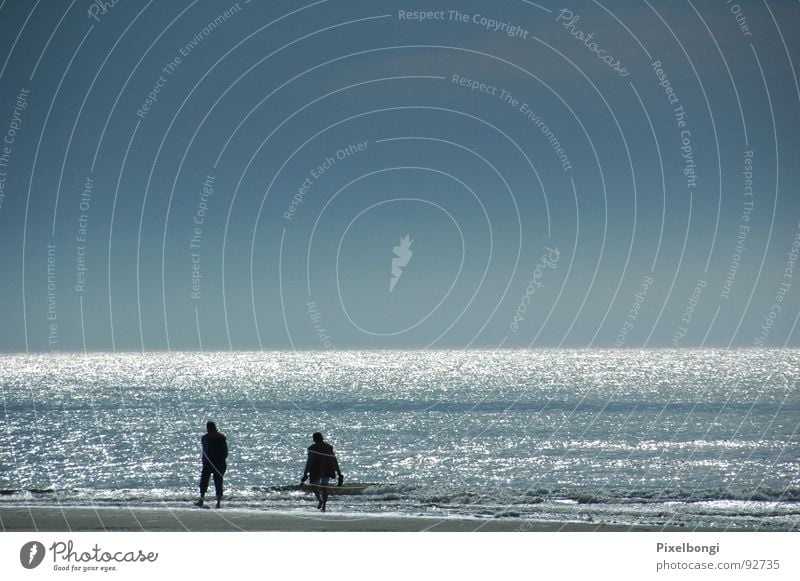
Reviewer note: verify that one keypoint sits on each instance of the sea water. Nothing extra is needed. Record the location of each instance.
(662, 437)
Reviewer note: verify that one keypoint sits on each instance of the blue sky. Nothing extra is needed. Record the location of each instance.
(550, 200)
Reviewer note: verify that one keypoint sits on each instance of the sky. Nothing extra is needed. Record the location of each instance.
(196, 175)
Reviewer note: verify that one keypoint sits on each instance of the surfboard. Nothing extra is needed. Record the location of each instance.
(346, 488)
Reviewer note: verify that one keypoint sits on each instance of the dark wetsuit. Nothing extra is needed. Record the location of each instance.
(321, 462)
(215, 453)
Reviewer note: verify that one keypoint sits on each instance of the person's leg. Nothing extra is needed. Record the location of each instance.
(316, 490)
(324, 483)
(205, 475)
(318, 495)
(218, 485)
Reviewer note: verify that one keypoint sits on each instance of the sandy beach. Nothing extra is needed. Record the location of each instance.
(79, 519)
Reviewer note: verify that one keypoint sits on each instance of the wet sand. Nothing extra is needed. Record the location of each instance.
(132, 519)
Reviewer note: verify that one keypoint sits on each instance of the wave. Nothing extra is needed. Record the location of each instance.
(761, 508)
(436, 494)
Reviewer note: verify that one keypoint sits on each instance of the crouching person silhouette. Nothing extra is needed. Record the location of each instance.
(215, 454)
(321, 466)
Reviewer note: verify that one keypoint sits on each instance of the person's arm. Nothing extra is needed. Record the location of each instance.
(338, 470)
(307, 469)
(224, 448)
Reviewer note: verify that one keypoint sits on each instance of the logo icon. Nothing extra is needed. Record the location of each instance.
(31, 554)
(402, 257)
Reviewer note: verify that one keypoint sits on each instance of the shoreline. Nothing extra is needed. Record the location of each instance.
(142, 519)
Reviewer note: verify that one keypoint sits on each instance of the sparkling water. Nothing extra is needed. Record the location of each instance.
(665, 437)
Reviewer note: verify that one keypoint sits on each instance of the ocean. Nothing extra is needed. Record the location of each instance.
(660, 437)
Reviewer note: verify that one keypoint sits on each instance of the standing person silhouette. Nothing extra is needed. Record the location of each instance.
(215, 454)
(321, 466)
